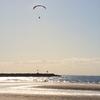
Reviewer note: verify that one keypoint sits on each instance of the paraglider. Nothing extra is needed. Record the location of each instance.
(38, 6)
(39, 17)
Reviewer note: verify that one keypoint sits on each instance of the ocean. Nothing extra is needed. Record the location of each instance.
(64, 87)
(63, 79)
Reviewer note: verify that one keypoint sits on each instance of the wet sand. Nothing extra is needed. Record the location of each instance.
(16, 91)
(72, 86)
(7, 96)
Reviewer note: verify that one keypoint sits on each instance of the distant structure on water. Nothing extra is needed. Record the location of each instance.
(28, 74)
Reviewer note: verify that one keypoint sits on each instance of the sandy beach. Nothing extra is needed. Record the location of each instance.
(8, 96)
(75, 86)
(49, 91)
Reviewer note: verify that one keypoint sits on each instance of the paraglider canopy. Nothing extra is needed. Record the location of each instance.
(39, 6)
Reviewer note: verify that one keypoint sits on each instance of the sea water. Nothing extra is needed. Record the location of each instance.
(63, 78)
(36, 85)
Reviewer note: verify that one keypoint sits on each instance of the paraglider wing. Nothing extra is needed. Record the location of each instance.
(39, 6)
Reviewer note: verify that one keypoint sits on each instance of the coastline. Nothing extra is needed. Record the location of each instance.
(74, 86)
(49, 91)
(12, 96)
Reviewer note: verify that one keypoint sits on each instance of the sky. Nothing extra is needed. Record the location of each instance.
(65, 40)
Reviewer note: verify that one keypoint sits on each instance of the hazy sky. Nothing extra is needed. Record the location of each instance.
(65, 40)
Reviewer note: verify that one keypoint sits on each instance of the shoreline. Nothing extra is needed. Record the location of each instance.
(55, 93)
(13, 96)
(74, 86)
